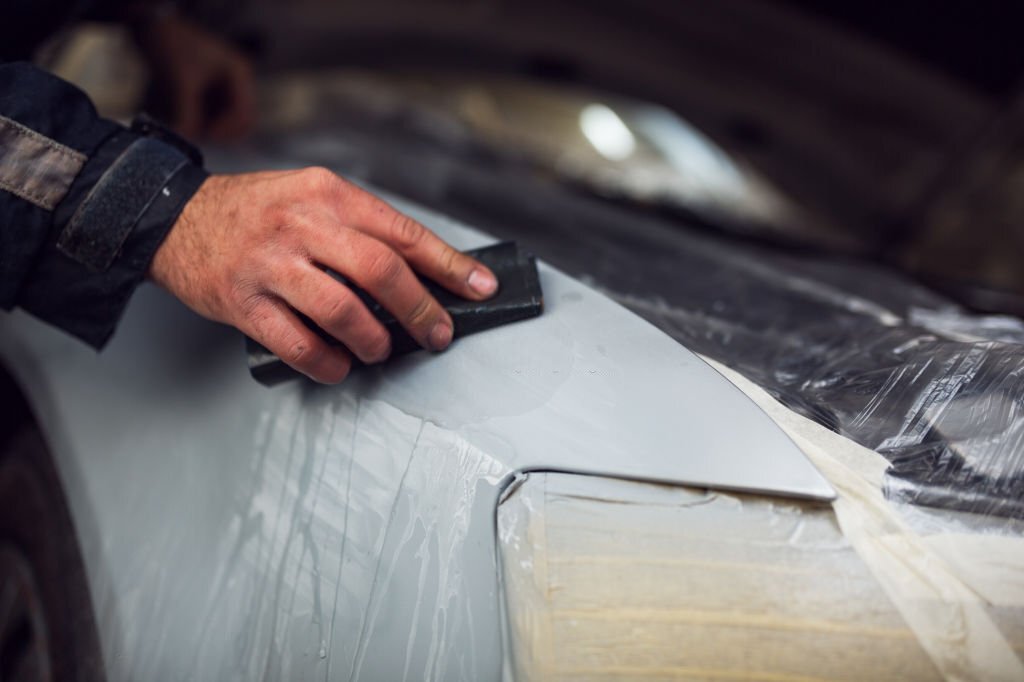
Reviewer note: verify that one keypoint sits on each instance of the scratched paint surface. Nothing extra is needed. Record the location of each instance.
(310, 572)
(332, 488)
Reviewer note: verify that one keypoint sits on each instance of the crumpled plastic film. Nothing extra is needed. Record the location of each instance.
(957, 579)
(938, 391)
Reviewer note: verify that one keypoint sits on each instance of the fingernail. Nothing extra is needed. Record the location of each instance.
(440, 336)
(482, 282)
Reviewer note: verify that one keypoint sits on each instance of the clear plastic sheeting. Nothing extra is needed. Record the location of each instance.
(956, 578)
(936, 390)
(946, 411)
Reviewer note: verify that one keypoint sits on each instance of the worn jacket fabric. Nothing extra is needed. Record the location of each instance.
(84, 202)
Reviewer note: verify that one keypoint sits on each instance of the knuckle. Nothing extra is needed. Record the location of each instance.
(406, 232)
(382, 267)
(245, 298)
(448, 261)
(321, 179)
(421, 312)
(301, 353)
(341, 311)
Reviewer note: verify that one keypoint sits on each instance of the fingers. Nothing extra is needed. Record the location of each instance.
(387, 278)
(336, 310)
(271, 323)
(424, 250)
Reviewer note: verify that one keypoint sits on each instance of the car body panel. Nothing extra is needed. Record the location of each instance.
(312, 532)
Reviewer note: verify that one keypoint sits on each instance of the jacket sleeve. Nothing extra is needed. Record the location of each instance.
(84, 203)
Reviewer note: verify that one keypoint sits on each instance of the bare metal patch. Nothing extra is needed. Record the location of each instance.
(34, 167)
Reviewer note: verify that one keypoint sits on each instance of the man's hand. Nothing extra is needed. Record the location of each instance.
(249, 250)
(209, 82)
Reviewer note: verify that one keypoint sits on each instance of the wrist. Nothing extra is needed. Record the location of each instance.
(168, 264)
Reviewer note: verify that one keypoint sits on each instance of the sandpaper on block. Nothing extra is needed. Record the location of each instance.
(519, 297)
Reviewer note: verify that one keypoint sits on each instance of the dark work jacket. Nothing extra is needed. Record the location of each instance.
(84, 201)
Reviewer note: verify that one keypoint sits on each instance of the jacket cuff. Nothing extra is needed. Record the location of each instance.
(106, 231)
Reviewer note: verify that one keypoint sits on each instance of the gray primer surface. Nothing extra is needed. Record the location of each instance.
(305, 532)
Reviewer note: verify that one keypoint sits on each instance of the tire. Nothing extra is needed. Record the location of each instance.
(47, 628)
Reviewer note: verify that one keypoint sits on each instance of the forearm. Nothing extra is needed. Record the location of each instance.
(84, 203)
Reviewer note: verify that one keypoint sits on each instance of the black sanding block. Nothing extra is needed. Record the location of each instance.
(519, 297)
